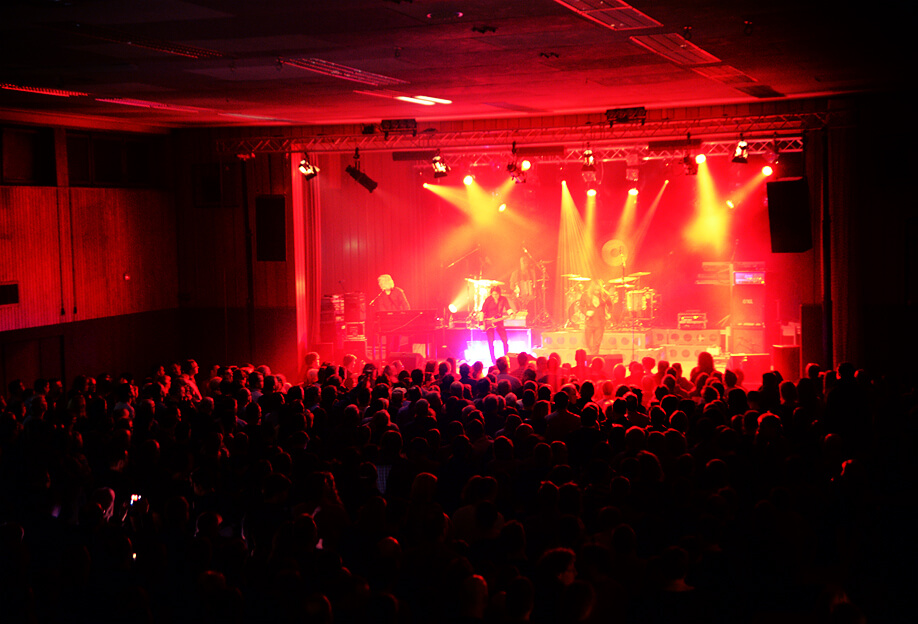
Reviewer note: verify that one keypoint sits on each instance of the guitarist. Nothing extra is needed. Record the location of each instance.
(495, 311)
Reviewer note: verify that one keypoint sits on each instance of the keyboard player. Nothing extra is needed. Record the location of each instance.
(391, 298)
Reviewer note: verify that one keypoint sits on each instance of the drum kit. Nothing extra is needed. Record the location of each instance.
(631, 305)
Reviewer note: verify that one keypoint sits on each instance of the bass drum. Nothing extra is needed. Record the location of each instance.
(575, 316)
(641, 303)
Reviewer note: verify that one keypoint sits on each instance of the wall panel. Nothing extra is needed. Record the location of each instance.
(124, 252)
(30, 255)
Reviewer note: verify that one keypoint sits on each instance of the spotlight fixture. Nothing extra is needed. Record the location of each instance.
(767, 170)
(591, 192)
(690, 165)
(588, 170)
(308, 169)
(517, 168)
(440, 168)
(362, 179)
(741, 151)
(633, 191)
(771, 152)
(467, 180)
(700, 158)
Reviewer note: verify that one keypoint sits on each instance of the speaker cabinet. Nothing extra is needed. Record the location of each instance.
(410, 360)
(748, 304)
(811, 336)
(789, 215)
(270, 228)
(786, 360)
(747, 340)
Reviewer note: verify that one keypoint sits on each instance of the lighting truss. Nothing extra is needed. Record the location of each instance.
(480, 141)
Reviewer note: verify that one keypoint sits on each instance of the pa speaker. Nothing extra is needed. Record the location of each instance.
(270, 228)
(789, 215)
(748, 304)
(410, 360)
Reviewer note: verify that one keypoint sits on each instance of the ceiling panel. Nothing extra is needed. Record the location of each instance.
(497, 58)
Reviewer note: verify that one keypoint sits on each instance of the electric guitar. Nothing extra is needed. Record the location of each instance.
(492, 321)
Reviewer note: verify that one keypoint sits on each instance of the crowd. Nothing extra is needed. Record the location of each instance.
(529, 491)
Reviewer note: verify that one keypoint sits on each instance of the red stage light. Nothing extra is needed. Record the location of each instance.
(467, 180)
(767, 170)
(591, 192)
(700, 158)
(633, 192)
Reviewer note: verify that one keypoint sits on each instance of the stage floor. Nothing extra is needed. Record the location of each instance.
(742, 348)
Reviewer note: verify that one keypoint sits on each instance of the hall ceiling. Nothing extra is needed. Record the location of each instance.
(174, 63)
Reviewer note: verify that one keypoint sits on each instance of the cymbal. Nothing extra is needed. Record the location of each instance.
(640, 274)
(483, 282)
(577, 278)
(621, 280)
(570, 275)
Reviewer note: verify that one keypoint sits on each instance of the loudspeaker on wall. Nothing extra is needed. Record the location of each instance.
(789, 215)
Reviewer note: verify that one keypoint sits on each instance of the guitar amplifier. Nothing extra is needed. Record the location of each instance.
(693, 319)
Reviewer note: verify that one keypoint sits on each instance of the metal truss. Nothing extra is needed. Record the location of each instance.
(633, 155)
(656, 139)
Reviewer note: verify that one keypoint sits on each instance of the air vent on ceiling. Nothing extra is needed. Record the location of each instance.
(612, 14)
(132, 39)
(725, 74)
(148, 104)
(675, 48)
(42, 90)
(327, 68)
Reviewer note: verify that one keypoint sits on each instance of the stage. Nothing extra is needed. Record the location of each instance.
(737, 348)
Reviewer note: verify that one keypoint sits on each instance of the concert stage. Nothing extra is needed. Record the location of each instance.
(736, 348)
